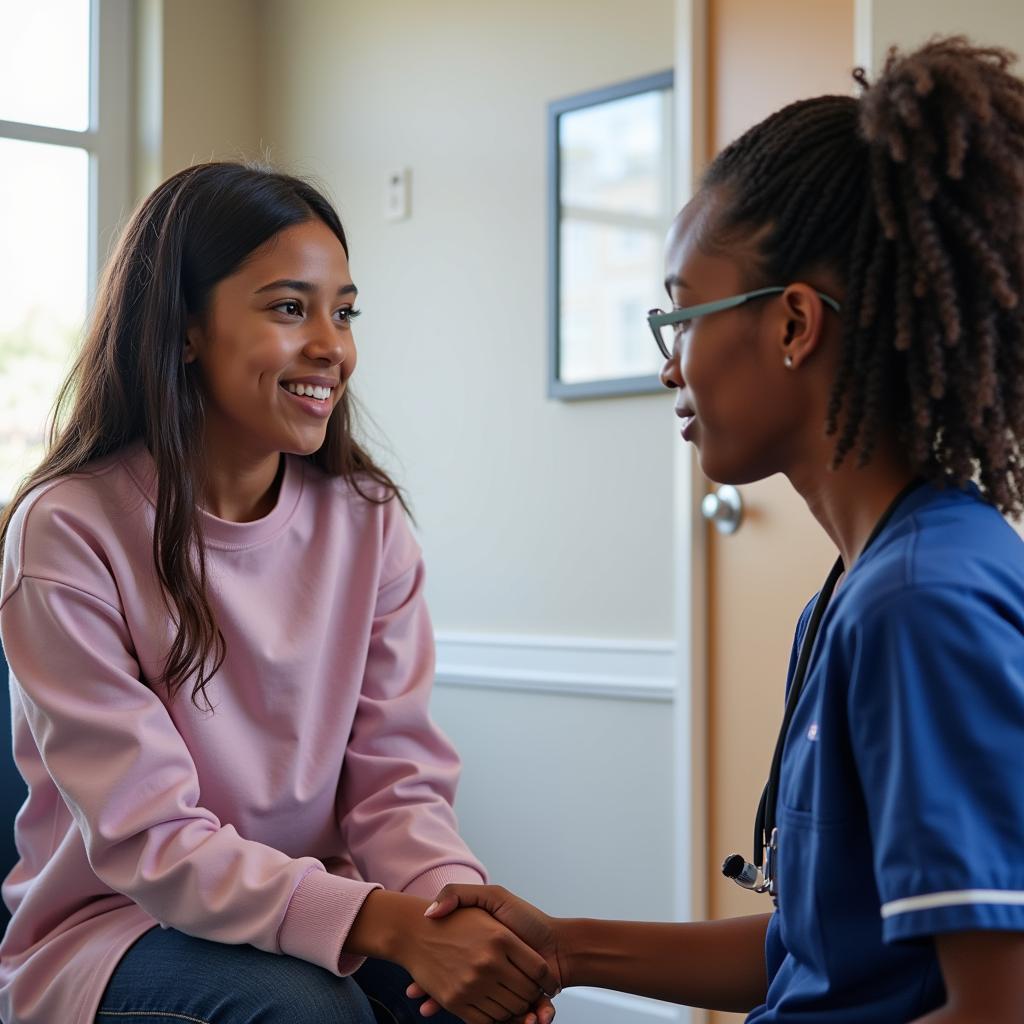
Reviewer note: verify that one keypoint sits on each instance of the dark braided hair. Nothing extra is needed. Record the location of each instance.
(914, 195)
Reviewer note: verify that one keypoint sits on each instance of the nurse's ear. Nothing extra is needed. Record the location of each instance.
(801, 325)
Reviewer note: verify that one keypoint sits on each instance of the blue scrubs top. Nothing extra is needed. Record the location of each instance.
(901, 798)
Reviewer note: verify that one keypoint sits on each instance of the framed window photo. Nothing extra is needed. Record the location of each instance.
(610, 204)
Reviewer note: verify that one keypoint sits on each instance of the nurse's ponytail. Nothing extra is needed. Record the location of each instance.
(914, 194)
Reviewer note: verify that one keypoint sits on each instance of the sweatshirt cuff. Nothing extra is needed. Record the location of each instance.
(431, 882)
(319, 917)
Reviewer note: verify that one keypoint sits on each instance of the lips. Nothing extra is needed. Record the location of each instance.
(688, 419)
(313, 394)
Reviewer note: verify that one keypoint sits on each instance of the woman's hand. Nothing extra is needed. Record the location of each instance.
(470, 963)
(535, 928)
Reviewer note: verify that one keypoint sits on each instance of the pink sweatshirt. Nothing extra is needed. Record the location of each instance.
(319, 768)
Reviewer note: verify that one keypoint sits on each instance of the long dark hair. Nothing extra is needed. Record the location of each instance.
(130, 382)
(914, 195)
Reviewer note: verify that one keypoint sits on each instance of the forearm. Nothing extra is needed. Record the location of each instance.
(983, 975)
(713, 964)
(383, 925)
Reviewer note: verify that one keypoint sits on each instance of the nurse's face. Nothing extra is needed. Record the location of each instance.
(734, 393)
(274, 347)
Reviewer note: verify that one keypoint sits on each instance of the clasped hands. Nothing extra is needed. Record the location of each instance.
(522, 994)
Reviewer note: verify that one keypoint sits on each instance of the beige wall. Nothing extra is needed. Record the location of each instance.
(536, 515)
(910, 22)
(198, 85)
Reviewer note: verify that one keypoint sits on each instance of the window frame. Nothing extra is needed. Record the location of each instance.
(107, 139)
(598, 387)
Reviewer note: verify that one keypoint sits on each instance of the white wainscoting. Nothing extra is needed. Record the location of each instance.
(612, 754)
(620, 669)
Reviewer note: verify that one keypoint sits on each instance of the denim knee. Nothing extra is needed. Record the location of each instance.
(297, 992)
(168, 973)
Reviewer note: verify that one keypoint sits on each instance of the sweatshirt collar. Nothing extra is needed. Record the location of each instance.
(221, 533)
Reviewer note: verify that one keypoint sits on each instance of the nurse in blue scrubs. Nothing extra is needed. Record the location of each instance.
(847, 294)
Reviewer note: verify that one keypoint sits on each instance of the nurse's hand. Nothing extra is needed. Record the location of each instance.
(534, 927)
(470, 963)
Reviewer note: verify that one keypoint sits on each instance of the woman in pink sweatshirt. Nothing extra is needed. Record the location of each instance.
(221, 658)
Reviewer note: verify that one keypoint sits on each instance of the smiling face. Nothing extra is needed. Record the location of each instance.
(274, 346)
(746, 409)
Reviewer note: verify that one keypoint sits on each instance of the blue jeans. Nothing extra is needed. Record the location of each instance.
(168, 977)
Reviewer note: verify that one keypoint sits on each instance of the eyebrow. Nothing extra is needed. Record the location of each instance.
(306, 287)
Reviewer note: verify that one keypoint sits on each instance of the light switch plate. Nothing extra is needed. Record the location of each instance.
(396, 195)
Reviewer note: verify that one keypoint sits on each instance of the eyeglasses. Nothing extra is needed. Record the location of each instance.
(667, 326)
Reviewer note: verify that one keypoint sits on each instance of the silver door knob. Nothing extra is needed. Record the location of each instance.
(724, 508)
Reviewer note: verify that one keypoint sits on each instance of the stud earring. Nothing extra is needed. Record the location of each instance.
(788, 361)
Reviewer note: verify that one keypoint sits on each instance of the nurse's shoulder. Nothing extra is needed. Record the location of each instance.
(951, 541)
(959, 539)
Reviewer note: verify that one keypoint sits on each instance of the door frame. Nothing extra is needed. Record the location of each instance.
(689, 540)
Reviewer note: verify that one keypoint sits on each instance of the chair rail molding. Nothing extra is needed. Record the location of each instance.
(574, 666)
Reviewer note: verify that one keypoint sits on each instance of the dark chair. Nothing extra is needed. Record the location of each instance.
(12, 788)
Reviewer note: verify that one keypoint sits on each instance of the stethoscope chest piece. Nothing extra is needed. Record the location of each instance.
(751, 876)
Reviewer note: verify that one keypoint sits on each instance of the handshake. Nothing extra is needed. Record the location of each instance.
(486, 955)
(478, 952)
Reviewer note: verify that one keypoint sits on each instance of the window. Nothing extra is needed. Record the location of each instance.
(64, 185)
(610, 204)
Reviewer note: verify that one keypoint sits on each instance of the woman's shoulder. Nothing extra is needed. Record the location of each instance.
(358, 493)
(96, 488)
(366, 508)
(63, 524)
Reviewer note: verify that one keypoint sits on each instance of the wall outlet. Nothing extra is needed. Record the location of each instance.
(396, 195)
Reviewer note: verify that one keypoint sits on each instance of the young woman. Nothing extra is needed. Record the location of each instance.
(848, 293)
(221, 658)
